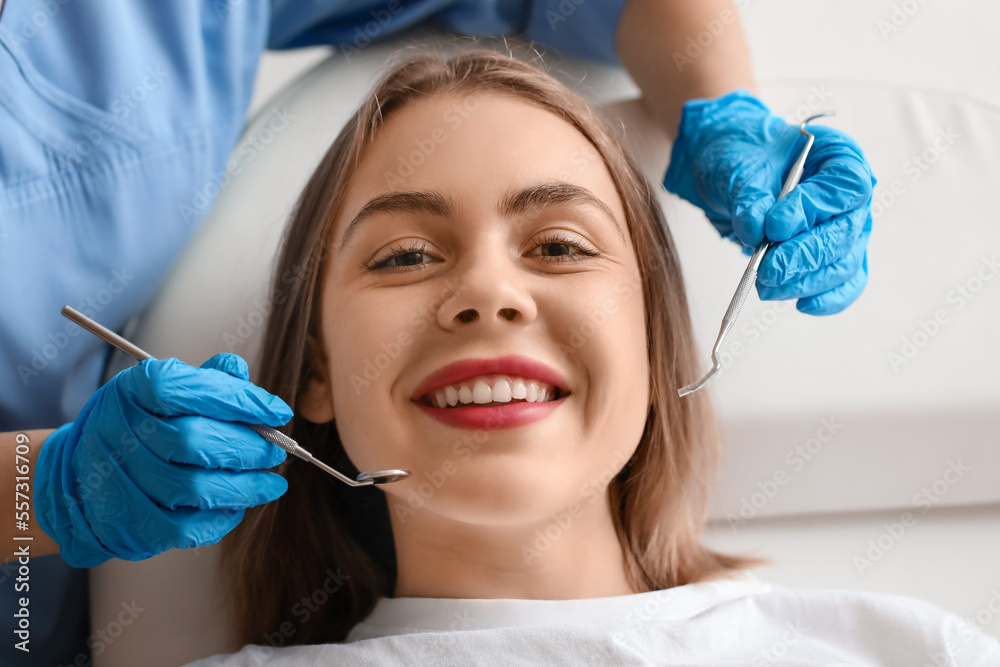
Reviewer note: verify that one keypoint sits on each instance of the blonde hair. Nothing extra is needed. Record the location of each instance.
(658, 499)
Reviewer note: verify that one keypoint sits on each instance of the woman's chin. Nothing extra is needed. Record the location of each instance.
(501, 496)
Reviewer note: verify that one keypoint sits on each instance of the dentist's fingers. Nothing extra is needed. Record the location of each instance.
(822, 280)
(139, 467)
(232, 364)
(812, 250)
(839, 180)
(180, 528)
(172, 485)
(829, 193)
(170, 387)
(192, 440)
(837, 299)
(750, 194)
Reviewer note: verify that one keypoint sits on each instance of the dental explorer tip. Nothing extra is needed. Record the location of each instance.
(802, 125)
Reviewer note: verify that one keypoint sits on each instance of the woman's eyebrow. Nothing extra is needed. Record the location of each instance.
(525, 200)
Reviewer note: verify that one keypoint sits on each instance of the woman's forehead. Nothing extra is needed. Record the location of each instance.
(475, 148)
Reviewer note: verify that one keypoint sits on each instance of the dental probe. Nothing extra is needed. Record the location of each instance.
(266, 432)
(750, 275)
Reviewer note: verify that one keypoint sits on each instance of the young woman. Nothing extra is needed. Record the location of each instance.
(486, 294)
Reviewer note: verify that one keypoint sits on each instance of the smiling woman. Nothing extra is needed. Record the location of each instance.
(505, 318)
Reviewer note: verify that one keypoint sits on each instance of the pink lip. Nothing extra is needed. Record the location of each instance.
(494, 417)
(458, 371)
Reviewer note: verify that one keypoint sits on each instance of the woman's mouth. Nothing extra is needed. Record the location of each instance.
(492, 402)
(491, 391)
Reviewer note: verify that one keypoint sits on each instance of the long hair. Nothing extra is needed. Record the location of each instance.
(331, 544)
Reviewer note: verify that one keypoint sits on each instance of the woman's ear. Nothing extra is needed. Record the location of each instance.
(316, 402)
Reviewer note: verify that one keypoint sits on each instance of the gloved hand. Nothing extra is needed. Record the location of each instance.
(730, 159)
(156, 460)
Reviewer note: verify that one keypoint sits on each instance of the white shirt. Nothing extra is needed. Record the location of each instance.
(737, 621)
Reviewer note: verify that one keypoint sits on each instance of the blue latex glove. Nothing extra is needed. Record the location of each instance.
(730, 159)
(156, 460)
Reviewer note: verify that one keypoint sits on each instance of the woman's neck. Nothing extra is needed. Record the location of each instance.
(566, 556)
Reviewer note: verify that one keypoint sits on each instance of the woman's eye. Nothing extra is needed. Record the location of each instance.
(400, 259)
(405, 257)
(561, 245)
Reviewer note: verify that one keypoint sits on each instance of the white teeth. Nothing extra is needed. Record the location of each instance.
(517, 389)
(504, 390)
(481, 392)
(501, 391)
(532, 392)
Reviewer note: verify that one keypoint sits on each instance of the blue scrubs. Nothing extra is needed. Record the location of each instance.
(114, 114)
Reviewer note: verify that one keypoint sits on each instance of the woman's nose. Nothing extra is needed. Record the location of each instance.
(492, 289)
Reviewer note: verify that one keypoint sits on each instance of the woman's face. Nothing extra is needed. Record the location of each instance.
(491, 266)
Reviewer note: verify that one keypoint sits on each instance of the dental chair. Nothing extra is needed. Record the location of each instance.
(860, 451)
